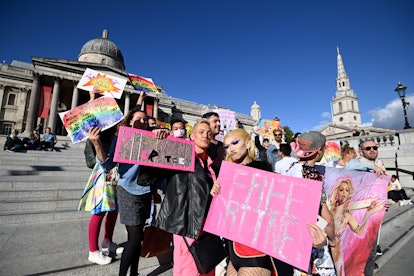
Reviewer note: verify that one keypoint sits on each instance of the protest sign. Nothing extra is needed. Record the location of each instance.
(143, 84)
(356, 200)
(266, 211)
(107, 85)
(137, 146)
(102, 112)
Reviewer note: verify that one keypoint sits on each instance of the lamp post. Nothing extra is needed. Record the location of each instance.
(401, 92)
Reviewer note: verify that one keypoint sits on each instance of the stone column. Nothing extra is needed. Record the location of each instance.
(54, 105)
(127, 102)
(75, 97)
(155, 111)
(33, 106)
(2, 87)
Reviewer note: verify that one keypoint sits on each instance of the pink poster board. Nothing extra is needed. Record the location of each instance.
(136, 146)
(356, 221)
(266, 211)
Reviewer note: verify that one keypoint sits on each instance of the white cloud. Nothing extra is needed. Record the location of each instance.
(392, 116)
(326, 115)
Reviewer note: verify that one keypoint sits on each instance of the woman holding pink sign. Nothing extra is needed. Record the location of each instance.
(245, 260)
(133, 196)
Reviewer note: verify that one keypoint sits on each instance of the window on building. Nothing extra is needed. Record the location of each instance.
(352, 105)
(6, 128)
(340, 106)
(11, 100)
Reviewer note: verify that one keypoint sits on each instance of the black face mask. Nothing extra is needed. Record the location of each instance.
(139, 125)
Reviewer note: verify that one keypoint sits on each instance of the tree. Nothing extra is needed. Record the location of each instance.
(288, 134)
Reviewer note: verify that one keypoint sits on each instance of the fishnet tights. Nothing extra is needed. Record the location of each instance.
(247, 271)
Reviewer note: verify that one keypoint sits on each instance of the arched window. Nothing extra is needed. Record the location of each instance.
(352, 105)
(340, 106)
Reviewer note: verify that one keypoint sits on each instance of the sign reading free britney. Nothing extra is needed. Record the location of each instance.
(266, 211)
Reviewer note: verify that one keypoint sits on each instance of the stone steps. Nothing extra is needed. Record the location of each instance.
(41, 186)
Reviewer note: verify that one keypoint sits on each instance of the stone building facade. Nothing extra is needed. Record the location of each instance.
(21, 90)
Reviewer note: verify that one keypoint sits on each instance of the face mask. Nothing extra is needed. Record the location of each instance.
(179, 133)
(139, 125)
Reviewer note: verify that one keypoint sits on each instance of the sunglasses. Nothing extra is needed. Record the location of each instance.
(277, 134)
(369, 148)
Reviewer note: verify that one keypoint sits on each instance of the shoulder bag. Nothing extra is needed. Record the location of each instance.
(208, 251)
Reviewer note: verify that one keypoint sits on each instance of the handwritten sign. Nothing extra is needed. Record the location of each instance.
(136, 146)
(266, 211)
(102, 112)
(107, 85)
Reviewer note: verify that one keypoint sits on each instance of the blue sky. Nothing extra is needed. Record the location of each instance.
(281, 54)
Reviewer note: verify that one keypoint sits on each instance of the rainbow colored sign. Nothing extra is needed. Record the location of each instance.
(143, 84)
(107, 85)
(102, 112)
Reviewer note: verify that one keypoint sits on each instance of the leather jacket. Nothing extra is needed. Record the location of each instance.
(186, 203)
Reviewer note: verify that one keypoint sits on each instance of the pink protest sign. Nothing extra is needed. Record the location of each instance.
(136, 146)
(266, 211)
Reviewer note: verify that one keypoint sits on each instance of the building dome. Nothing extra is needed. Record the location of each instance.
(102, 51)
(255, 111)
(255, 106)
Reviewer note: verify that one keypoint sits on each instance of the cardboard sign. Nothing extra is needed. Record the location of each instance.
(355, 198)
(102, 112)
(266, 211)
(136, 146)
(143, 84)
(107, 85)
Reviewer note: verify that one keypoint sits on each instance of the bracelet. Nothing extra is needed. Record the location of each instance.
(318, 252)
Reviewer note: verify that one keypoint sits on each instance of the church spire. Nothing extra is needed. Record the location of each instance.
(342, 79)
(345, 102)
(341, 69)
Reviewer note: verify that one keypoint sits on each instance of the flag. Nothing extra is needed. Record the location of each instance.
(143, 84)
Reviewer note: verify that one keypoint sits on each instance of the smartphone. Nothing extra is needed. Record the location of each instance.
(321, 222)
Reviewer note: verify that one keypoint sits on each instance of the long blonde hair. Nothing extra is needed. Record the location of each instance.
(243, 134)
(333, 198)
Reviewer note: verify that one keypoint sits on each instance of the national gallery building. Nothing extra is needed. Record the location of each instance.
(25, 103)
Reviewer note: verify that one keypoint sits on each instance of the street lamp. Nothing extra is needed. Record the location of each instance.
(401, 92)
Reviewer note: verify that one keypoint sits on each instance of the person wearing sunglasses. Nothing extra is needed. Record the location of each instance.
(369, 161)
(273, 148)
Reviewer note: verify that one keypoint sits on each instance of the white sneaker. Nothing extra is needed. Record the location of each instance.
(97, 258)
(402, 202)
(406, 202)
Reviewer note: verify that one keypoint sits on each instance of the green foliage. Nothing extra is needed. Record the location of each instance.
(288, 134)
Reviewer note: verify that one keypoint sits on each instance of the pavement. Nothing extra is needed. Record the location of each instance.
(37, 242)
(61, 248)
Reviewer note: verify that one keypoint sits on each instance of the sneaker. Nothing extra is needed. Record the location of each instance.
(110, 248)
(379, 251)
(402, 202)
(97, 258)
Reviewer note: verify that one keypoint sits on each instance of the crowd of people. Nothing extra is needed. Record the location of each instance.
(187, 196)
(36, 141)
(130, 192)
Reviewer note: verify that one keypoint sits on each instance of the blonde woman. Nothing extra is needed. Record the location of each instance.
(340, 206)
